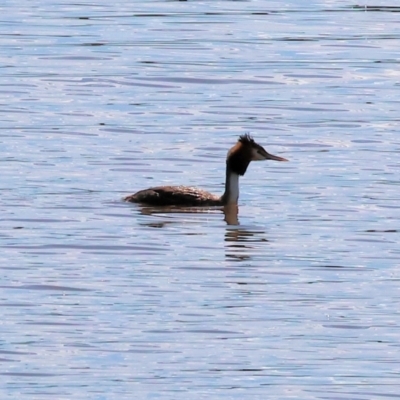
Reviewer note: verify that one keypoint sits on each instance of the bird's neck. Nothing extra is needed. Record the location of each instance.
(231, 194)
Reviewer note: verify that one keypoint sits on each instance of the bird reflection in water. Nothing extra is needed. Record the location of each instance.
(230, 212)
(240, 242)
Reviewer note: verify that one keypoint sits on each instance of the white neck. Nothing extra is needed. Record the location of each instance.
(231, 195)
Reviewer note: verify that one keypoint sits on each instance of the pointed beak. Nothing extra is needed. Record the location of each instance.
(272, 157)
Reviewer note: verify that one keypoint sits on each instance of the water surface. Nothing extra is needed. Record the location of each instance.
(102, 299)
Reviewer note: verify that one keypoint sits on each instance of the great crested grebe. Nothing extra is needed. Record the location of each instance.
(237, 161)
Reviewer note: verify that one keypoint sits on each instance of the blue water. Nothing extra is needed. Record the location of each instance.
(106, 300)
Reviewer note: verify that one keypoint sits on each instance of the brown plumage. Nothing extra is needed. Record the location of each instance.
(174, 196)
(237, 161)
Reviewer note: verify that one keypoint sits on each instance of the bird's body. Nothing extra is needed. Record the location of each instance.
(175, 196)
(237, 161)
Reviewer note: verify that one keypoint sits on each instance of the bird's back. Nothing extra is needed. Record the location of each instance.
(176, 196)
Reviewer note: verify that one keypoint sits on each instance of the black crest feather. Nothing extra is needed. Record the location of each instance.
(246, 139)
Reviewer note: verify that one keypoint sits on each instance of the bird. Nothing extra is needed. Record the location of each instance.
(237, 161)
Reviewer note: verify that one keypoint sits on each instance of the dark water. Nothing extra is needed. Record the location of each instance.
(102, 299)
